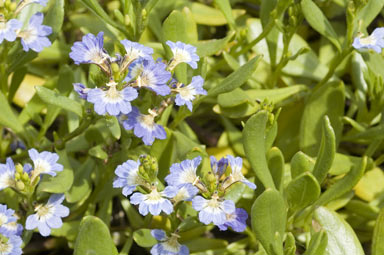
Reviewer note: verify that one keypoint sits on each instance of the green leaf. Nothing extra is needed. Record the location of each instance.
(341, 238)
(277, 95)
(343, 185)
(254, 147)
(239, 111)
(319, 22)
(205, 244)
(327, 100)
(17, 78)
(301, 163)
(81, 187)
(60, 183)
(211, 47)
(94, 238)
(7, 117)
(276, 166)
(378, 235)
(98, 152)
(290, 245)
(54, 98)
(318, 244)
(144, 238)
(69, 230)
(302, 191)
(225, 8)
(268, 216)
(206, 15)
(55, 17)
(369, 12)
(326, 152)
(235, 79)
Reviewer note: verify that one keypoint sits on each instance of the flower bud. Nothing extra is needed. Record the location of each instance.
(19, 168)
(20, 185)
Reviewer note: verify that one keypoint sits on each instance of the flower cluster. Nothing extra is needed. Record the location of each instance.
(129, 76)
(33, 36)
(184, 184)
(24, 180)
(375, 41)
(10, 232)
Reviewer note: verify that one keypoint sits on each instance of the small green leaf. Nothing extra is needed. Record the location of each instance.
(301, 163)
(327, 100)
(302, 191)
(326, 152)
(254, 147)
(205, 244)
(98, 152)
(205, 15)
(54, 98)
(369, 12)
(235, 79)
(81, 186)
(276, 166)
(69, 230)
(277, 95)
(343, 185)
(290, 245)
(318, 244)
(225, 8)
(211, 47)
(55, 17)
(378, 235)
(94, 238)
(268, 216)
(341, 238)
(319, 22)
(144, 238)
(7, 117)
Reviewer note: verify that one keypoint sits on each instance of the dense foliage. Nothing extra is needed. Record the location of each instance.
(191, 127)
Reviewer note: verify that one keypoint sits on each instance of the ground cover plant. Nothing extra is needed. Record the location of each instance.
(191, 127)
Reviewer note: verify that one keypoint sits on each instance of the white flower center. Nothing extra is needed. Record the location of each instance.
(172, 245)
(29, 35)
(181, 195)
(181, 56)
(6, 180)
(44, 211)
(3, 219)
(3, 26)
(112, 95)
(41, 166)
(147, 121)
(214, 203)
(187, 93)
(96, 56)
(154, 197)
(188, 176)
(5, 246)
(146, 79)
(369, 40)
(231, 216)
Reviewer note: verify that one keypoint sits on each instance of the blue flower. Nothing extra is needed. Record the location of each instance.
(236, 220)
(134, 51)
(41, 2)
(90, 50)
(184, 192)
(7, 174)
(153, 203)
(10, 245)
(81, 90)
(11, 228)
(167, 245)
(48, 215)
(183, 172)
(8, 30)
(150, 74)
(44, 163)
(35, 35)
(374, 41)
(128, 177)
(236, 174)
(112, 101)
(144, 126)
(188, 93)
(183, 53)
(213, 210)
(6, 215)
(218, 167)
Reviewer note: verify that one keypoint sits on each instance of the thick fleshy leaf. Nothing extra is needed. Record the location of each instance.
(378, 235)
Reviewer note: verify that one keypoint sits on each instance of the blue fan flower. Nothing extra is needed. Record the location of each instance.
(8, 30)
(183, 172)
(35, 35)
(213, 210)
(236, 221)
(167, 245)
(154, 203)
(134, 51)
(6, 215)
(144, 126)
(81, 90)
(10, 245)
(7, 174)
(48, 215)
(183, 53)
(186, 94)
(128, 177)
(375, 41)
(44, 163)
(184, 192)
(236, 175)
(112, 101)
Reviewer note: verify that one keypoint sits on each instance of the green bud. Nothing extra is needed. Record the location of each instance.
(210, 181)
(1, 3)
(20, 185)
(17, 176)
(116, 71)
(127, 20)
(25, 177)
(13, 7)
(7, 4)
(19, 168)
